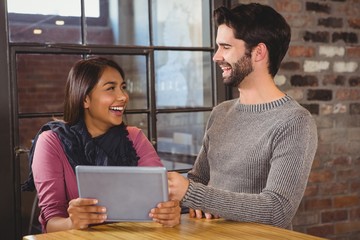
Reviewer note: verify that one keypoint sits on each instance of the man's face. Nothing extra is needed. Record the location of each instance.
(232, 57)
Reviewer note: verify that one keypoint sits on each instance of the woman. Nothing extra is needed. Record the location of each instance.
(92, 133)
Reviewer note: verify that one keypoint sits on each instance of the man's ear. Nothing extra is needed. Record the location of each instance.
(260, 52)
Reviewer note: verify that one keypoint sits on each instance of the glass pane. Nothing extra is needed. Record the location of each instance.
(180, 137)
(41, 81)
(45, 21)
(124, 22)
(137, 120)
(55, 7)
(181, 23)
(135, 70)
(28, 127)
(183, 79)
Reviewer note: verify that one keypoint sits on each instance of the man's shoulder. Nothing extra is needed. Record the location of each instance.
(225, 105)
(295, 108)
(293, 113)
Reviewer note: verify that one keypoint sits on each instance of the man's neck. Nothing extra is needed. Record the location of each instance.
(259, 90)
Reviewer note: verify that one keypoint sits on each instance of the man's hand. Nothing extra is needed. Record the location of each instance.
(178, 186)
(200, 214)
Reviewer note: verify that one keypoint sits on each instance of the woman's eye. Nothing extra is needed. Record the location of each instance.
(111, 88)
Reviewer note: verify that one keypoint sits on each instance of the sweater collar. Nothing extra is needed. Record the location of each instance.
(262, 107)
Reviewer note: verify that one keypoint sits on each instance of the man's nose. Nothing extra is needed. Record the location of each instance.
(217, 56)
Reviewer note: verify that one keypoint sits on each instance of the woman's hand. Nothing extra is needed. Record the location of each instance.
(83, 212)
(167, 213)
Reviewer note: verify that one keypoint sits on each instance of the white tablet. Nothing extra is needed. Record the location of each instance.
(128, 193)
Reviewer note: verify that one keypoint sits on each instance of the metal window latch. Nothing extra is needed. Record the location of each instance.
(19, 151)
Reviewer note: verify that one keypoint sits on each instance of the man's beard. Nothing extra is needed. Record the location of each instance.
(240, 70)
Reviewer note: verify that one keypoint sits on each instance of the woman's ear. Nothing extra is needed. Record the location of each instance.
(86, 102)
(260, 52)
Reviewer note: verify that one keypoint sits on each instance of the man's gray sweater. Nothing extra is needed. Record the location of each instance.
(254, 163)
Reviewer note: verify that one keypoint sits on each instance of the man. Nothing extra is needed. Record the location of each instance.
(257, 150)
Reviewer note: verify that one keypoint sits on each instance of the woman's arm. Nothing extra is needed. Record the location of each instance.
(144, 149)
(82, 213)
(166, 213)
(48, 172)
(56, 185)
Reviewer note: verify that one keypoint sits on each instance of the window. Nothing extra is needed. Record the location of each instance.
(164, 46)
(54, 7)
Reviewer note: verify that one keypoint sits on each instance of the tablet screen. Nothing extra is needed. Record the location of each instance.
(128, 193)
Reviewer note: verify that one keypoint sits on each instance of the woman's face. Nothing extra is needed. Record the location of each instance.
(104, 106)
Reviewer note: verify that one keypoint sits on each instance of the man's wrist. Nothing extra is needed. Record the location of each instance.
(188, 190)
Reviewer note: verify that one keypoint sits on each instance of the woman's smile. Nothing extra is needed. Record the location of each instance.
(118, 110)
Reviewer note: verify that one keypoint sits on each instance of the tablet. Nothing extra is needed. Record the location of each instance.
(128, 193)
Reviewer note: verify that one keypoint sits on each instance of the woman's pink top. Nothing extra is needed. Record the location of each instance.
(55, 179)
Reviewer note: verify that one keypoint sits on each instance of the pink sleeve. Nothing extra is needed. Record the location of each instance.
(143, 147)
(54, 178)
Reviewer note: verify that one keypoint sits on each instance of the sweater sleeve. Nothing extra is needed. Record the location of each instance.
(294, 147)
(200, 172)
(143, 147)
(54, 178)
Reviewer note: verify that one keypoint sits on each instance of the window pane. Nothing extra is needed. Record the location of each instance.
(122, 22)
(182, 23)
(183, 79)
(135, 70)
(137, 120)
(41, 81)
(98, 29)
(180, 137)
(45, 21)
(53, 7)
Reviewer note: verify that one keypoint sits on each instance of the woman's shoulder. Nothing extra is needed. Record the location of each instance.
(49, 140)
(133, 129)
(134, 132)
(48, 136)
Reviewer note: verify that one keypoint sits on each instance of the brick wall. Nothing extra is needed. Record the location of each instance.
(322, 72)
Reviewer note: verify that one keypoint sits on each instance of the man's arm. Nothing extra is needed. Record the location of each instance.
(277, 203)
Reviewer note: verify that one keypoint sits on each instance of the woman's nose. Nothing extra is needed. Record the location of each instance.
(122, 95)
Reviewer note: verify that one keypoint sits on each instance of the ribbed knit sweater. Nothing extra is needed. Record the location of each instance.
(254, 162)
